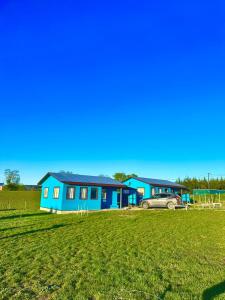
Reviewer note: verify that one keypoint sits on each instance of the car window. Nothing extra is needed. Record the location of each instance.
(164, 195)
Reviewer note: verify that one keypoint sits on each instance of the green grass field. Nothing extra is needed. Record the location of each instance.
(154, 254)
(20, 200)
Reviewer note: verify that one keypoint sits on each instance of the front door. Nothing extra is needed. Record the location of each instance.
(104, 204)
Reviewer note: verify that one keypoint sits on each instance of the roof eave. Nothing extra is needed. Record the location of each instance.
(44, 178)
(95, 184)
(170, 186)
(162, 185)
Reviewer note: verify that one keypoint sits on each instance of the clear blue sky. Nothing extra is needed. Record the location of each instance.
(97, 87)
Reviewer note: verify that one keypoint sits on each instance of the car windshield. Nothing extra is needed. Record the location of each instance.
(162, 195)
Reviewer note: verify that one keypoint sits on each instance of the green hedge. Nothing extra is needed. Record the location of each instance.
(19, 200)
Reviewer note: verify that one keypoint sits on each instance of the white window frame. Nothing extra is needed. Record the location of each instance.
(56, 194)
(141, 190)
(83, 188)
(70, 196)
(45, 192)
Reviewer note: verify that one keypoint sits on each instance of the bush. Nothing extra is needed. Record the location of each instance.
(14, 187)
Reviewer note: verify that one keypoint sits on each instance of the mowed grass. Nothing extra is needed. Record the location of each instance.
(154, 254)
(20, 200)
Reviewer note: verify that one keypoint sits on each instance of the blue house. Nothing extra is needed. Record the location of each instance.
(65, 192)
(148, 187)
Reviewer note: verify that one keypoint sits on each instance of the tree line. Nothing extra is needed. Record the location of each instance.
(12, 180)
(196, 183)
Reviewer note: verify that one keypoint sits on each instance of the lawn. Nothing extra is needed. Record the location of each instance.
(20, 200)
(154, 254)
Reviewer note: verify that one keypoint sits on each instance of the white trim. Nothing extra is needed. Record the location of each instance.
(56, 211)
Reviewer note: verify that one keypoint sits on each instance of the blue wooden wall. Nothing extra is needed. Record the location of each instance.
(134, 183)
(76, 204)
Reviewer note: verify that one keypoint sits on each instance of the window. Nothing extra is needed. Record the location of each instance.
(157, 196)
(160, 190)
(83, 193)
(164, 196)
(70, 193)
(94, 193)
(141, 191)
(104, 195)
(56, 193)
(46, 192)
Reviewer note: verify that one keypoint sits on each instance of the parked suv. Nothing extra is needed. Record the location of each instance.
(169, 200)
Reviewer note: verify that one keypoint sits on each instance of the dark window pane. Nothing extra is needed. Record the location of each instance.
(94, 193)
(70, 193)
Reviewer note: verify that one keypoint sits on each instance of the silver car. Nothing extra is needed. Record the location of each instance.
(168, 200)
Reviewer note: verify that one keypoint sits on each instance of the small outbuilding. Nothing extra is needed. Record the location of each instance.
(65, 192)
(148, 187)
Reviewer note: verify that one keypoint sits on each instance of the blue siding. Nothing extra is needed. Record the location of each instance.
(77, 204)
(135, 183)
(134, 199)
(111, 199)
(50, 202)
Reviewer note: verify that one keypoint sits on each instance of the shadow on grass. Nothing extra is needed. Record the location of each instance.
(7, 209)
(214, 291)
(34, 231)
(15, 227)
(24, 215)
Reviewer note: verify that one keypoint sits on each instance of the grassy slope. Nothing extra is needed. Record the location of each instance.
(20, 200)
(111, 255)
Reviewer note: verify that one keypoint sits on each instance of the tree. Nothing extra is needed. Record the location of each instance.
(12, 176)
(195, 183)
(12, 179)
(123, 176)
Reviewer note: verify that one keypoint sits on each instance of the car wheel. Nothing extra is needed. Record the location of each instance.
(170, 205)
(145, 205)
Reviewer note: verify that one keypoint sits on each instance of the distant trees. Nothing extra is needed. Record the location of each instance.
(12, 176)
(12, 179)
(196, 183)
(123, 176)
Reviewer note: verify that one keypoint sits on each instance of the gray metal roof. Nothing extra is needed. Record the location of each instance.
(1, 183)
(160, 182)
(83, 179)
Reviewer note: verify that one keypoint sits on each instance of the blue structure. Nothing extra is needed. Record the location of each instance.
(65, 192)
(148, 187)
(186, 198)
